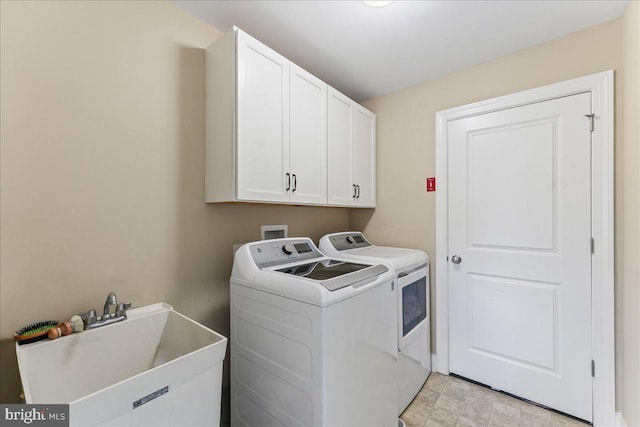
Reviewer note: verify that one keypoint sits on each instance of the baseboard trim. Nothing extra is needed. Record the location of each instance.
(619, 420)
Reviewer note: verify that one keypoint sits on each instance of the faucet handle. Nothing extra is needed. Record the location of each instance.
(121, 309)
(90, 317)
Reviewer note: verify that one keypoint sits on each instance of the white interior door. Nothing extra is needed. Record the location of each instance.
(519, 223)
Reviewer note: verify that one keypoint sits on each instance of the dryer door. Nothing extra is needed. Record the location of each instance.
(413, 306)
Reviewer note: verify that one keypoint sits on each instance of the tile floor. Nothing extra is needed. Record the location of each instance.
(449, 401)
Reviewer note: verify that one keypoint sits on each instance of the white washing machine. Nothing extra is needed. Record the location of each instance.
(313, 339)
(412, 268)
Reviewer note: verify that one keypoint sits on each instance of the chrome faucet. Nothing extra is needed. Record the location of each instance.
(91, 320)
(111, 300)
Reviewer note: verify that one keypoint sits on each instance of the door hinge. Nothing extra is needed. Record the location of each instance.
(593, 369)
(593, 246)
(591, 119)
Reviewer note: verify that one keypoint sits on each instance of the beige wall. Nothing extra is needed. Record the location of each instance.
(102, 112)
(102, 138)
(628, 226)
(405, 214)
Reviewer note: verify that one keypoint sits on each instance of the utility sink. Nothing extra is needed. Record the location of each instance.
(156, 368)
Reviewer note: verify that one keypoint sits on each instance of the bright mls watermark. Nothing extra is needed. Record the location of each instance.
(34, 415)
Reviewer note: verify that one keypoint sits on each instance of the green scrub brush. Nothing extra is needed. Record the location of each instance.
(34, 332)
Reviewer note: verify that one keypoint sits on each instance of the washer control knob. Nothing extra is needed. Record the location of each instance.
(351, 240)
(287, 249)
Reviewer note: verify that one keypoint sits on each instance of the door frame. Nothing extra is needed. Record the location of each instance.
(601, 87)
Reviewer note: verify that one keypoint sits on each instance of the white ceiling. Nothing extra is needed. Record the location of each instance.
(366, 52)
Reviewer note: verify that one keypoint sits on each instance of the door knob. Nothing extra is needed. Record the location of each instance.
(456, 259)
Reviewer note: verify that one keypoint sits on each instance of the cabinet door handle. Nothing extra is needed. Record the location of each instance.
(354, 190)
(358, 188)
(288, 181)
(295, 182)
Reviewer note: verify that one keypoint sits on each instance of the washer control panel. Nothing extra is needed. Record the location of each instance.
(352, 240)
(270, 253)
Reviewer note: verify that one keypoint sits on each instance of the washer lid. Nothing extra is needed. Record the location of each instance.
(334, 274)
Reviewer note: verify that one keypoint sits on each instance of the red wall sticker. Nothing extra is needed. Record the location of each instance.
(431, 184)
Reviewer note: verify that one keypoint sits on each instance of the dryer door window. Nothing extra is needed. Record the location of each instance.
(414, 305)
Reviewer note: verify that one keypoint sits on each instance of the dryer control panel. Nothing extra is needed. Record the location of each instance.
(351, 240)
(271, 253)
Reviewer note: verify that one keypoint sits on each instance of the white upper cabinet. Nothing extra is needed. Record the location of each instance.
(262, 122)
(267, 126)
(308, 137)
(364, 156)
(352, 150)
(340, 139)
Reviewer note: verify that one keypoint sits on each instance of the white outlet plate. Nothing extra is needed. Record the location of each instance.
(274, 232)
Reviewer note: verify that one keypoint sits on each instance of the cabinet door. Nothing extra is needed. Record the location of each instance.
(262, 138)
(340, 134)
(364, 156)
(308, 137)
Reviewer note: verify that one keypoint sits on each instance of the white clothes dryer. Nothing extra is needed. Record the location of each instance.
(313, 340)
(413, 334)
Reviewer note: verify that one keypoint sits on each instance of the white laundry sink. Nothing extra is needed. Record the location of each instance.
(156, 368)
